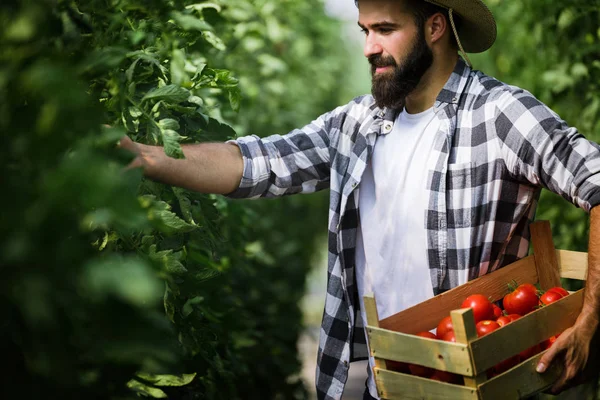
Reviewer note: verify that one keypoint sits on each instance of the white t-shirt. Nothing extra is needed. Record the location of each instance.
(391, 252)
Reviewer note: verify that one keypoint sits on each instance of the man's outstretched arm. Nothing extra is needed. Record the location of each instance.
(207, 167)
(577, 347)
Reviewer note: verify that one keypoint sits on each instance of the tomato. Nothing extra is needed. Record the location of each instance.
(550, 297)
(530, 352)
(513, 317)
(444, 376)
(530, 287)
(419, 370)
(481, 305)
(449, 337)
(503, 320)
(444, 326)
(486, 326)
(559, 290)
(497, 311)
(397, 366)
(521, 301)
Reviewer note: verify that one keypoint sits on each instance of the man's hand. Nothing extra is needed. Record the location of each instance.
(577, 350)
(128, 144)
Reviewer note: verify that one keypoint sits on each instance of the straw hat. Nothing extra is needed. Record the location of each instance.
(477, 30)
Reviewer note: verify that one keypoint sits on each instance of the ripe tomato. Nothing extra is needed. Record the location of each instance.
(550, 297)
(444, 326)
(521, 301)
(449, 337)
(486, 326)
(481, 305)
(419, 370)
(497, 311)
(397, 366)
(444, 376)
(559, 290)
(513, 317)
(503, 320)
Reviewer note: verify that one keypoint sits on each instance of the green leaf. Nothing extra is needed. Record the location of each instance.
(139, 387)
(168, 123)
(190, 23)
(167, 221)
(168, 380)
(235, 98)
(129, 279)
(187, 308)
(170, 139)
(169, 260)
(171, 93)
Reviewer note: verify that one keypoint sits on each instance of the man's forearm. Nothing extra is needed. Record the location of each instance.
(591, 306)
(207, 167)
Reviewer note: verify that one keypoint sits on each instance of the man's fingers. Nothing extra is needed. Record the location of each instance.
(547, 359)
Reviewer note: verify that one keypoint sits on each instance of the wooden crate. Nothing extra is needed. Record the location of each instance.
(393, 338)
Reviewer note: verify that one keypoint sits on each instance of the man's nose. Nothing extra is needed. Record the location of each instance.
(372, 46)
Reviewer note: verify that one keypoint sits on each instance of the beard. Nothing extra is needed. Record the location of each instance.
(391, 88)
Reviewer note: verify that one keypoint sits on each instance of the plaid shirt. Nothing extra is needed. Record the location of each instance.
(496, 148)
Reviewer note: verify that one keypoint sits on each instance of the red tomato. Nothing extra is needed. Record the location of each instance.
(481, 305)
(486, 326)
(397, 366)
(521, 301)
(444, 376)
(550, 297)
(530, 352)
(497, 311)
(419, 370)
(529, 286)
(503, 320)
(449, 337)
(513, 317)
(444, 326)
(559, 290)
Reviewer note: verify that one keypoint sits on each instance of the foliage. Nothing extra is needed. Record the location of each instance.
(111, 283)
(552, 49)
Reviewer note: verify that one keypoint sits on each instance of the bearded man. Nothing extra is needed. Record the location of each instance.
(434, 178)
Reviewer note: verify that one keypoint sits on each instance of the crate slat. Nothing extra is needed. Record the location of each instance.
(520, 381)
(394, 385)
(426, 315)
(525, 332)
(545, 254)
(572, 264)
(463, 322)
(445, 356)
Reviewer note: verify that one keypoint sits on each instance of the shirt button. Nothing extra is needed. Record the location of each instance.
(345, 363)
(387, 127)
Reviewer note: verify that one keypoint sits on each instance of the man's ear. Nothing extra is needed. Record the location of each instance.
(437, 25)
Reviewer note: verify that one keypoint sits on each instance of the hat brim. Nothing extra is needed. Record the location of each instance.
(477, 29)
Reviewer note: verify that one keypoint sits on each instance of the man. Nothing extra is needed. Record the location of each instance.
(434, 178)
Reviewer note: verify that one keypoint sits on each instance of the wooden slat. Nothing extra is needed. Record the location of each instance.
(520, 381)
(426, 315)
(445, 356)
(545, 254)
(394, 385)
(572, 264)
(373, 320)
(525, 332)
(463, 322)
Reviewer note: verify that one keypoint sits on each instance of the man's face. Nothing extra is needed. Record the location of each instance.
(396, 49)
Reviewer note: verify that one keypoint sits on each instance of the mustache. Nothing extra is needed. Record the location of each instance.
(379, 61)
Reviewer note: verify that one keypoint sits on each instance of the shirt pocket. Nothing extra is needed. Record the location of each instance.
(460, 192)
